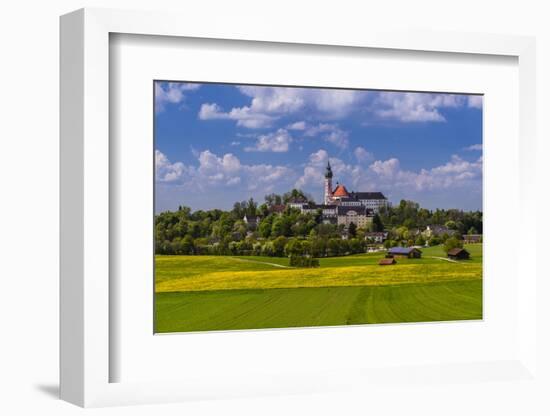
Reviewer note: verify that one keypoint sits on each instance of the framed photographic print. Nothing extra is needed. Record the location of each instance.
(275, 209)
(290, 212)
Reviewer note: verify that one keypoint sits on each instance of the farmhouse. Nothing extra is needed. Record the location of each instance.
(458, 254)
(409, 252)
(251, 220)
(387, 262)
(471, 238)
(297, 202)
(435, 231)
(377, 237)
(277, 209)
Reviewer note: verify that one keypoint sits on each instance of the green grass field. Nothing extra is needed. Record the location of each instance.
(203, 293)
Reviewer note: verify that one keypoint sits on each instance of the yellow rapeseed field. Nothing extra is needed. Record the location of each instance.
(368, 275)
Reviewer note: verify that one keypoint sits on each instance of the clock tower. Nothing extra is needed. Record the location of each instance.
(328, 184)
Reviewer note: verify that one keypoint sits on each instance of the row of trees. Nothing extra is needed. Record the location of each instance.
(409, 214)
(272, 227)
(451, 240)
(278, 247)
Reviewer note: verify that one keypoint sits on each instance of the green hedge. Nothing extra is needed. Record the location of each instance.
(302, 261)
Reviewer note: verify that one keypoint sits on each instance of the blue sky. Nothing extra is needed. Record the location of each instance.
(217, 143)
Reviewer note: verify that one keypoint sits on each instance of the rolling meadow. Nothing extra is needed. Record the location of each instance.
(206, 293)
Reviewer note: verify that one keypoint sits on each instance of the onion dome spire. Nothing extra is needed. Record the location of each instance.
(328, 171)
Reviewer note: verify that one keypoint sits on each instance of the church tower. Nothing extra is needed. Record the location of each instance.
(328, 184)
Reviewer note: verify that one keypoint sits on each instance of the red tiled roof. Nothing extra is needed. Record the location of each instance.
(340, 191)
(277, 208)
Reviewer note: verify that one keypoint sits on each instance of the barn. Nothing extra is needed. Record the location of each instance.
(472, 238)
(387, 262)
(458, 254)
(409, 252)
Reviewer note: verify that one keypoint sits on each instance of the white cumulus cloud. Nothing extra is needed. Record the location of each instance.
(278, 141)
(314, 170)
(457, 172)
(415, 107)
(220, 172)
(299, 125)
(171, 93)
(362, 155)
(166, 171)
(389, 176)
(243, 116)
(474, 147)
(386, 169)
(475, 101)
(268, 104)
(328, 132)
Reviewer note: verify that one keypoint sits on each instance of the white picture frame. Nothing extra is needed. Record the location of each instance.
(85, 208)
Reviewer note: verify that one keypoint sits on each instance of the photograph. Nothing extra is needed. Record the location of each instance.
(279, 206)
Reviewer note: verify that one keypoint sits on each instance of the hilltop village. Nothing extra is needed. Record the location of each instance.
(348, 222)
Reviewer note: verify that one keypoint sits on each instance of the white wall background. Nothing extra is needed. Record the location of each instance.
(29, 187)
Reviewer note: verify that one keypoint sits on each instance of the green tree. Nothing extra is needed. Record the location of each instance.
(294, 248)
(257, 249)
(400, 233)
(279, 246)
(265, 226)
(302, 261)
(263, 210)
(239, 209)
(352, 230)
(361, 233)
(195, 230)
(344, 247)
(184, 211)
(273, 199)
(281, 226)
(452, 242)
(318, 247)
(307, 248)
(251, 208)
(326, 230)
(268, 249)
(377, 225)
(333, 247)
(187, 245)
(451, 225)
(390, 243)
(296, 195)
(356, 246)
(239, 230)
